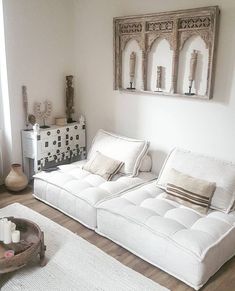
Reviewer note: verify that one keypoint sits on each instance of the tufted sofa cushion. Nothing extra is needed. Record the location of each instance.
(75, 191)
(169, 229)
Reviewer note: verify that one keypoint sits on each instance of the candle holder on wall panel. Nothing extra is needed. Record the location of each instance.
(132, 70)
(191, 78)
(159, 79)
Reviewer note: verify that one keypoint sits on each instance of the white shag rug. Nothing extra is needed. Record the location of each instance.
(73, 263)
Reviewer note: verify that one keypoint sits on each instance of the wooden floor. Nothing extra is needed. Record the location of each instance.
(223, 280)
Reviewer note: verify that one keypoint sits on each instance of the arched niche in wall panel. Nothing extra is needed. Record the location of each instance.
(160, 55)
(132, 46)
(199, 87)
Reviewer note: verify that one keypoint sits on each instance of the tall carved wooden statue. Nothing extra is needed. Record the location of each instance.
(69, 98)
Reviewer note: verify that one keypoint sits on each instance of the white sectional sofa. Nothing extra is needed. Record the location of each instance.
(76, 192)
(133, 211)
(175, 238)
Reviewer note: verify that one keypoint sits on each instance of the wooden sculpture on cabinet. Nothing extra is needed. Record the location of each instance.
(69, 98)
(30, 119)
(43, 115)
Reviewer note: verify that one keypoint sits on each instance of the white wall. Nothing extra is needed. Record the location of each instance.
(45, 40)
(40, 52)
(203, 126)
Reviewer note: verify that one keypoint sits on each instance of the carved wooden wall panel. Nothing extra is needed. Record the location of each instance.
(176, 27)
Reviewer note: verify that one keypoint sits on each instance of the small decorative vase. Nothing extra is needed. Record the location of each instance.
(16, 179)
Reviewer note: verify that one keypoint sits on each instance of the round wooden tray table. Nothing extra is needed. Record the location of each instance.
(31, 245)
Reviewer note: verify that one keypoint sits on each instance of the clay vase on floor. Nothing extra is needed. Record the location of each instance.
(16, 179)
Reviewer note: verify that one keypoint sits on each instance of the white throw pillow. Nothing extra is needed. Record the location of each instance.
(207, 168)
(127, 150)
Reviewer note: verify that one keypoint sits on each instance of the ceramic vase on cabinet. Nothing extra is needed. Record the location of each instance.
(16, 179)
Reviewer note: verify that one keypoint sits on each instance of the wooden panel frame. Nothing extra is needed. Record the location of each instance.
(176, 27)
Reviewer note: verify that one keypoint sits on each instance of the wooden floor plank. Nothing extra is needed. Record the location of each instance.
(223, 280)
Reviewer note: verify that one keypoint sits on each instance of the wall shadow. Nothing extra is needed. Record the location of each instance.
(225, 56)
(158, 158)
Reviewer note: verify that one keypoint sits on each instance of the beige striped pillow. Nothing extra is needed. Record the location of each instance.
(103, 166)
(189, 191)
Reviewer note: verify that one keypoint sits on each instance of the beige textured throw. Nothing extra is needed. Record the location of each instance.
(103, 166)
(189, 191)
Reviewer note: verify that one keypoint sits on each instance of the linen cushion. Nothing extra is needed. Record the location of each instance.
(103, 166)
(191, 192)
(129, 151)
(203, 167)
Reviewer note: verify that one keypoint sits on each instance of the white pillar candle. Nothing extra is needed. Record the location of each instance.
(2, 221)
(15, 236)
(7, 232)
(13, 226)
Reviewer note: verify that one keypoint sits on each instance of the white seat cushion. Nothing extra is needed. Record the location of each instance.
(76, 192)
(176, 238)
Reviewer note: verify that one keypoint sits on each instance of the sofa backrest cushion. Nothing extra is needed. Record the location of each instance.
(127, 150)
(207, 168)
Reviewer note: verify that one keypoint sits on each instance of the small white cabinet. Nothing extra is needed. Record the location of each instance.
(53, 146)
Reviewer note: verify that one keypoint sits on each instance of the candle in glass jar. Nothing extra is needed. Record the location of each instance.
(15, 236)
